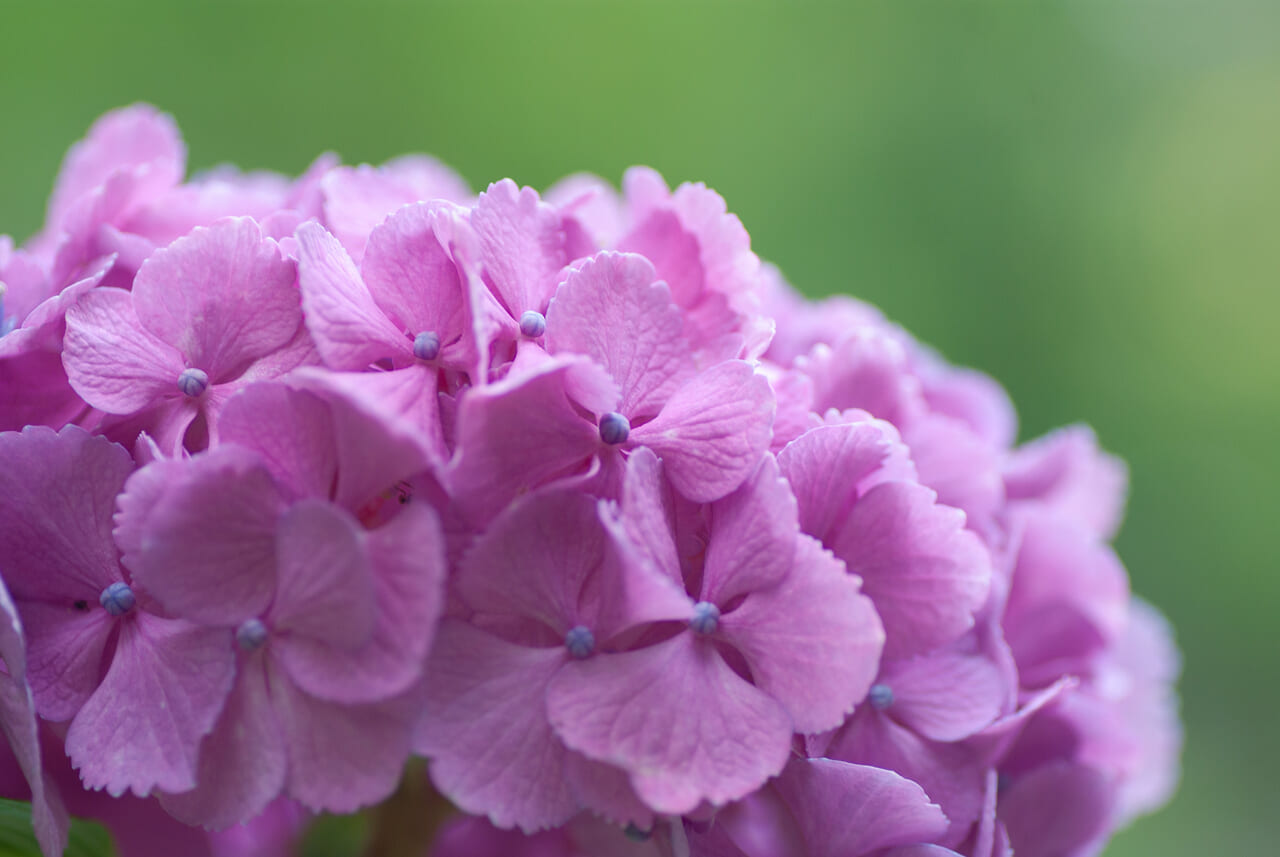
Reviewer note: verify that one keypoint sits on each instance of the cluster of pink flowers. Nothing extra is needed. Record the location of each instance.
(568, 494)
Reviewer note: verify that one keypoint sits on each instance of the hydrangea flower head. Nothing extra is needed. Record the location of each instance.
(565, 492)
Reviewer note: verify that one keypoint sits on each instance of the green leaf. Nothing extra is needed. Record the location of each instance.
(17, 839)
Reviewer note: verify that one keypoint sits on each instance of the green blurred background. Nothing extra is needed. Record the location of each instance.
(1081, 199)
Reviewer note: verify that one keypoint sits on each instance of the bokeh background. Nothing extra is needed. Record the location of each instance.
(1082, 199)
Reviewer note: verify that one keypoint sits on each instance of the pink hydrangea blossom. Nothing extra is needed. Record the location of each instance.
(566, 492)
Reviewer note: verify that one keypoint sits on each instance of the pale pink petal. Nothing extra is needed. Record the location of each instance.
(349, 329)
(406, 559)
(813, 642)
(752, 541)
(291, 431)
(163, 693)
(924, 571)
(413, 278)
(209, 546)
(222, 296)
(712, 432)
(522, 246)
(1067, 471)
(677, 717)
(112, 360)
(610, 309)
(242, 763)
(868, 370)
(960, 465)
(324, 588)
(485, 730)
(829, 467)
(517, 433)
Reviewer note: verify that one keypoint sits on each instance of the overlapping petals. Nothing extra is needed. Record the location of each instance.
(647, 555)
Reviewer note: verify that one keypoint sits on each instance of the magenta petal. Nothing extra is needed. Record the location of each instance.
(1057, 809)
(56, 494)
(753, 536)
(406, 556)
(1067, 470)
(163, 693)
(677, 717)
(846, 810)
(34, 391)
(242, 762)
(924, 571)
(712, 431)
(946, 696)
(19, 725)
(349, 329)
(112, 360)
(813, 642)
(516, 434)
(209, 546)
(291, 431)
(647, 515)
(64, 655)
(222, 295)
(341, 757)
(324, 588)
(610, 309)
(485, 729)
(521, 246)
(960, 465)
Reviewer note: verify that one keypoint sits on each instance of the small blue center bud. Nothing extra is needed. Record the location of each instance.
(881, 696)
(251, 635)
(614, 428)
(6, 324)
(635, 834)
(533, 324)
(193, 382)
(706, 618)
(580, 642)
(426, 345)
(117, 599)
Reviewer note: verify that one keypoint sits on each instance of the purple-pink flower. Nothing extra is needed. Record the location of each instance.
(567, 493)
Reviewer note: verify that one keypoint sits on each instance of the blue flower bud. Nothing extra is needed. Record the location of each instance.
(706, 618)
(251, 635)
(880, 696)
(614, 428)
(533, 324)
(580, 642)
(193, 382)
(426, 345)
(117, 599)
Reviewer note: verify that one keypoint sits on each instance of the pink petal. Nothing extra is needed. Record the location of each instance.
(406, 558)
(829, 467)
(341, 757)
(34, 391)
(677, 717)
(647, 513)
(209, 549)
(130, 136)
(712, 432)
(924, 571)
(610, 309)
(222, 296)
(413, 278)
(960, 465)
(349, 328)
(163, 693)
(57, 490)
(812, 643)
(845, 810)
(946, 696)
(291, 431)
(112, 360)
(242, 761)
(753, 537)
(1058, 809)
(518, 433)
(868, 370)
(64, 654)
(324, 589)
(521, 244)
(1067, 471)
(485, 729)
(19, 725)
